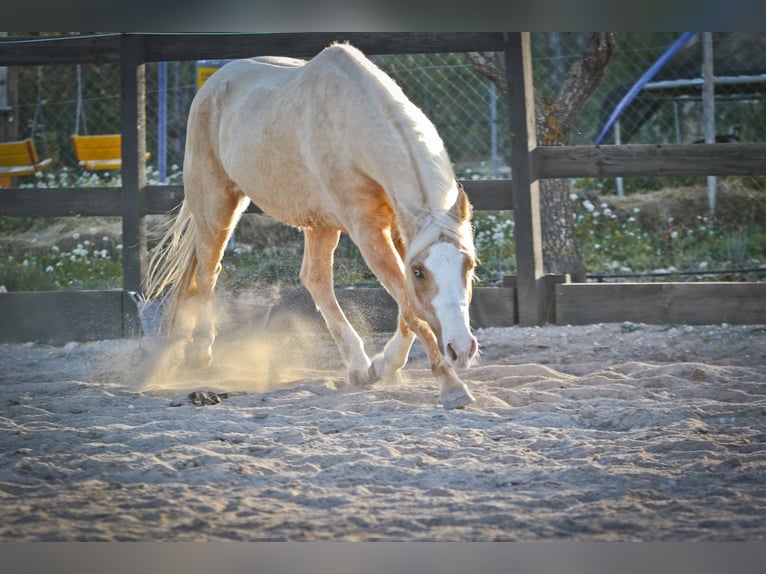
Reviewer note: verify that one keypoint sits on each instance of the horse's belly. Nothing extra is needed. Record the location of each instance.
(285, 190)
(294, 208)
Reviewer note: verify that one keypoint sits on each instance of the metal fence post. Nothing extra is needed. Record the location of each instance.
(708, 110)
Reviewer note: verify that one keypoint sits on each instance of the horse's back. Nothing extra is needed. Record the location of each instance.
(311, 143)
(232, 105)
(246, 93)
(265, 124)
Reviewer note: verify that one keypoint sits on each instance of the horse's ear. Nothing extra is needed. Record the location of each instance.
(462, 210)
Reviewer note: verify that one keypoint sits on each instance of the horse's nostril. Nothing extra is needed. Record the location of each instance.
(474, 347)
(451, 352)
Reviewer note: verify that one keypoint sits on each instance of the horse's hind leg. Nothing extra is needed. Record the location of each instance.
(317, 277)
(215, 219)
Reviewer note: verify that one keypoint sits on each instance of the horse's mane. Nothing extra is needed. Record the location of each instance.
(429, 212)
(431, 162)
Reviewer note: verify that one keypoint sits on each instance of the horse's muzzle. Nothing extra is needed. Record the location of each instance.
(459, 353)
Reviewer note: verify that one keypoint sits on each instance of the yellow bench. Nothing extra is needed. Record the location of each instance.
(19, 158)
(99, 152)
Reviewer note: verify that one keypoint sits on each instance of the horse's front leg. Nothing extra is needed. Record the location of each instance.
(378, 250)
(387, 365)
(317, 276)
(453, 391)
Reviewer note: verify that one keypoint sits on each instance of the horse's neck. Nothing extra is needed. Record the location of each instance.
(394, 143)
(407, 155)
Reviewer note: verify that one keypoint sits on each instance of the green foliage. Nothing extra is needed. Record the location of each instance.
(493, 237)
(93, 263)
(610, 242)
(613, 243)
(84, 260)
(248, 267)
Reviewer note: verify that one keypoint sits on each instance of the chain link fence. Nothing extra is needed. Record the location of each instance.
(668, 108)
(50, 103)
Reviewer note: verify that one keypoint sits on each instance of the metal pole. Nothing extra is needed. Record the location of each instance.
(677, 121)
(493, 127)
(708, 109)
(618, 141)
(162, 122)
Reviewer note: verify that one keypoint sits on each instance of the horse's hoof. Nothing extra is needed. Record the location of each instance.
(195, 359)
(377, 373)
(457, 398)
(362, 378)
(197, 362)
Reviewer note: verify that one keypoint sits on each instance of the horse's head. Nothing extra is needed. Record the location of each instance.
(440, 273)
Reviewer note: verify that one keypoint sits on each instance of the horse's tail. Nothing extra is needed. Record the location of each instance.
(171, 268)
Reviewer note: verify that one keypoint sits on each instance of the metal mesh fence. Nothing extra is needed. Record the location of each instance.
(668, 106)
(50, 103)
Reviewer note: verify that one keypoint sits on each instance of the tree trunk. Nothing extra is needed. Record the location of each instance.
(555, 121)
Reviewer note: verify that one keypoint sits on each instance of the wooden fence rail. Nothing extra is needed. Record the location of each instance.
(158, 199)
(649, 159)
(108, 48)
(58, 316)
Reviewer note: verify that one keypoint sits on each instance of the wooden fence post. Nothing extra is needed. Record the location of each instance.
(524, 185)
(133, 119)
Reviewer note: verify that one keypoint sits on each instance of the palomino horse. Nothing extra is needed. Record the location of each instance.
(328, 145)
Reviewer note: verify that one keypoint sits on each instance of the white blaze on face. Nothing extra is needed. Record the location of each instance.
(446, 265)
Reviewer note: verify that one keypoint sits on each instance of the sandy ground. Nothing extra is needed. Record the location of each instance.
(602, 432)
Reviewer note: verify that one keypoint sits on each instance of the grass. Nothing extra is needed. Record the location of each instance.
(666, 230)
(92, 262)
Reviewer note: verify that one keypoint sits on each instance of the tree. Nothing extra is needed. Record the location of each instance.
(555, 119)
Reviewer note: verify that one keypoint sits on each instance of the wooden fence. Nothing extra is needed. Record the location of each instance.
(534, 298)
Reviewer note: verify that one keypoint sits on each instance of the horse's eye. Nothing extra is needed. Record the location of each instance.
(417, 272)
